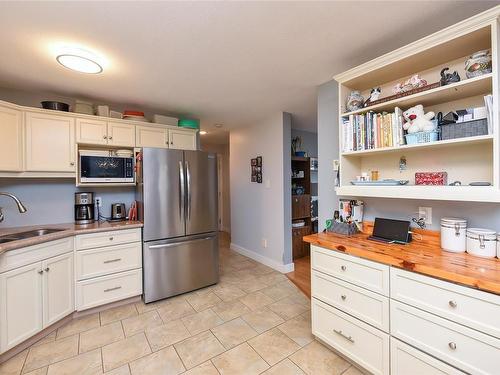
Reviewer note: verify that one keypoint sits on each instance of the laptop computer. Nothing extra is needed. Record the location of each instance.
(391, 231)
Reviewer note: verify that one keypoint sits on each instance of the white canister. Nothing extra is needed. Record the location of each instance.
(453, 236)
(482, 242)
(498, 245)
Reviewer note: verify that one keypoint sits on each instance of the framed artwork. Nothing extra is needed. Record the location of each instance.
(256, 168)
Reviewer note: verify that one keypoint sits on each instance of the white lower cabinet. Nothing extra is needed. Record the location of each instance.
(367, 346)
(108, 267)
(436, 327)
(20, 305)
(33, 297)
(58, 292)
(406, 360)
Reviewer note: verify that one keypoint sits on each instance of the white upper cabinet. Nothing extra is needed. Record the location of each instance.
(120, 134)
(50, 143)
(11, 134)
(91, 131)
(151, 136)
(182, 139)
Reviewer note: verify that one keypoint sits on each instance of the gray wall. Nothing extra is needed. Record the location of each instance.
(258, 210)
(50, 201)
(309, 142)
(328, 150)
(484, 215)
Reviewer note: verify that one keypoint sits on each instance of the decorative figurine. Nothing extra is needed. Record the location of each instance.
(417, 120)
(354, 101)
(447, 78)
(478, 64)
(374, 95)
(414, 82)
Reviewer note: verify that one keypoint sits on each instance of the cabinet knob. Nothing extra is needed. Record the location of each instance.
(47, 269)
(171, 142)
(111, 238)
(72, 163)
(296, 200)
(452, 345)
(452, 304)
(110, 137)
(40, 272)
(343, 268)
(104, 137)
(343, 296)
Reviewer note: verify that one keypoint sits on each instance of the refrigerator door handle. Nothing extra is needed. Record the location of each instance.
(188, 188)
(181, 190)
(178, 243)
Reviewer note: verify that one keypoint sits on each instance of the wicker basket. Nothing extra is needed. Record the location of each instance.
(343, 228)
(464, 129)
(422, 137)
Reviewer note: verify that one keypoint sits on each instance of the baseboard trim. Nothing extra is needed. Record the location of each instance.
(283, 268)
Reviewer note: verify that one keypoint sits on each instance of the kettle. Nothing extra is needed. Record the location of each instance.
(118, 211)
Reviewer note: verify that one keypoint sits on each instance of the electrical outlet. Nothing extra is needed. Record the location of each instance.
(98, 201)
(264, 243)
(426, 214)
(336, 165)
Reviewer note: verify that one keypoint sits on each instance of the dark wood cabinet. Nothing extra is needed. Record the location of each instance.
(299, 247)
(301, 206)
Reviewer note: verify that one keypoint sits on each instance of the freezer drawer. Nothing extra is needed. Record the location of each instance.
(178, 266)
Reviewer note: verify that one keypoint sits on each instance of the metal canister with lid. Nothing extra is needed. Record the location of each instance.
(482, 242)
(453, 234)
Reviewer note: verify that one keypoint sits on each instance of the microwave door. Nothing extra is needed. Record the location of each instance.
(105, 169)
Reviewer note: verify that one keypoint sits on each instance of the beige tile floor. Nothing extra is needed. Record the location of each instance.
(254, 321)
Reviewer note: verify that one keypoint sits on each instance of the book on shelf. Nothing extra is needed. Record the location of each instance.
(373, 130)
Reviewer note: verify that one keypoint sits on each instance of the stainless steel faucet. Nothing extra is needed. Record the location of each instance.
(22, 209)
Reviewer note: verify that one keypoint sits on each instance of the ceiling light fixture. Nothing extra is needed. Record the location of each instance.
(79, 63)
(203, 132)
(218, 125)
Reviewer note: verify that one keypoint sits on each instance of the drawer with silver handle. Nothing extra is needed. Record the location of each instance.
(106, 289)
(464, 348)
(364, 344)
(364, 273)
(106, 260)
(368, 306)
(100, 239)
(473, 308)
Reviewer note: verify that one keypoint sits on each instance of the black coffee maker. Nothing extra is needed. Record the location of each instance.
(84, 208)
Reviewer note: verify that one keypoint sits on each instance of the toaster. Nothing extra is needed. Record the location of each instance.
(118, 211)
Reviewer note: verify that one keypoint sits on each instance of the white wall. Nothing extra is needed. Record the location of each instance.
(262, 211)
(223, 151)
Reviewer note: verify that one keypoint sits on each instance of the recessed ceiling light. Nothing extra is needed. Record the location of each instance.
(79, 63)
(218, 125)
(203, 132)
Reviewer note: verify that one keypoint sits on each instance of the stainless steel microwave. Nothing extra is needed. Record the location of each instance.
(96, 166)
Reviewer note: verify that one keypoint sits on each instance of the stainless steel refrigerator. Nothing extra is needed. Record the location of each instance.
(177, 202)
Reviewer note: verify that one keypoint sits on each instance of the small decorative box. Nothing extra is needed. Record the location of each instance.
(431, 178)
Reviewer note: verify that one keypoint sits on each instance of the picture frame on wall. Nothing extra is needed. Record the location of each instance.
(256, 170)
(259, 161)
(253, 162)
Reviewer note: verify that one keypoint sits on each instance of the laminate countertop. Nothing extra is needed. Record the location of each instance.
(423, 256)
(68, 230)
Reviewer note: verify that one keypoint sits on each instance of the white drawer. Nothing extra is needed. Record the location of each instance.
(370, 307)
(406, 360)
(31, 254)
(464, 348)
(100, 239)
(473, 308)
(106, 289)
(364, 273)
(365, 345)
(107, 260)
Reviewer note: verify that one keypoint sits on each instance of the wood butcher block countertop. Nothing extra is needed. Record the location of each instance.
(423, 256)
(68, 230)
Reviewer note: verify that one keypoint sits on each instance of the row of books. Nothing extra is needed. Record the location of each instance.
(373, 130)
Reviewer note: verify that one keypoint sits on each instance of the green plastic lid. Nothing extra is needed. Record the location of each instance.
(189, 123)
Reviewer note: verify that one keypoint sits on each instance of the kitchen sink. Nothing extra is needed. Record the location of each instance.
(28, 234)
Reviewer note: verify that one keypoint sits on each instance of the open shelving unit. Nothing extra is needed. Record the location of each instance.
(466, 160)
